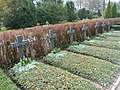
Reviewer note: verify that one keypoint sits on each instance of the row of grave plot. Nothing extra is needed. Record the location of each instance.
(94, 69)
(41, 46)
(39, 76)
(107, 37)
(108, 40)
(98, 52)
(112, 34)
(6, 83)
(107, 44)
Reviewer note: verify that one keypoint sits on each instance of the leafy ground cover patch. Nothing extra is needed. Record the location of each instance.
(108, 38)
(99, 52)
(6, 83)
(88, 67)
(113, 34)
(106, 44)
(45, 77)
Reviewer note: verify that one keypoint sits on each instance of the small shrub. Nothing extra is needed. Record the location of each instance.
(75, 43)
(56, 50)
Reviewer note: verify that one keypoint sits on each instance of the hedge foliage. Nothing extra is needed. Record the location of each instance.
(99, 52)
(106, 44)
(6, 83)
(86, 66)
(39, 46)
(45, 77)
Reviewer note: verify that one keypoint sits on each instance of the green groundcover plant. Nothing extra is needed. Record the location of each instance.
(45, 77)
(86, 66)
(113, 34)
(108, 38)
(6, 83)
(106, 44)
(98, 52)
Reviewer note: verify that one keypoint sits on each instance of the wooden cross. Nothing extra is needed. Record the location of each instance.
(19, 44)
(96, 28)
(84, 29)
(103, 27)
(109, 26)
(71, 34)
(51, 36)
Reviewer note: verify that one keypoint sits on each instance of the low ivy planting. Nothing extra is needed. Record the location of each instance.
(108, 38)
(116, 27)
(45, 77)
(99, 52)
(6, 83)
(88, 67)
(106, 44)
(113, 34)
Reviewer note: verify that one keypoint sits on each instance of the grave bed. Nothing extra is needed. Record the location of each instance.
(98, 52)
(113, 34)
(88, 67)
(6, 83)
(108, 38)
(106, 44)
(45, 77)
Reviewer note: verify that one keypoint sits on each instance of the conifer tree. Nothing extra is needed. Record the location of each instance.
(108, 11)
(114, 11)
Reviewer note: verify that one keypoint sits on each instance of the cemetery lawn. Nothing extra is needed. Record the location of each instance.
(6, 83)
(88, 67)
(98, 52)
(45, 77)
(106, 44)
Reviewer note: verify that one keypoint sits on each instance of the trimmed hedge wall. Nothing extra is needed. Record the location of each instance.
(99, 52)
(88, 67)
(45, 77)
(40, 46)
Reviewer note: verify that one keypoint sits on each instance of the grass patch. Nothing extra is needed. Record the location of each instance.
(45, 77)
(6, 83)
(86, 66)
(106, 44)
(102, 53)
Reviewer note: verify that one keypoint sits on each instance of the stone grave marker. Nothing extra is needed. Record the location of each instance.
(84, 29)
(103, 27)
(71, 34)
(51, 36)
(109, 26)
(19, 44)
(96, 28)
